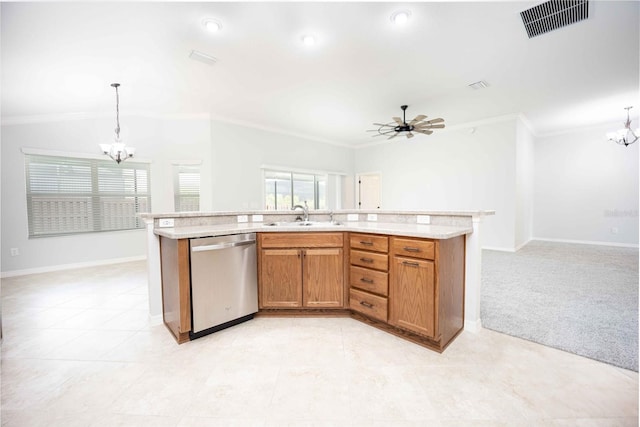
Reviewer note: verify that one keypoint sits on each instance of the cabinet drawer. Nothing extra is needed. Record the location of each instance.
(368, 304)
(369, 242)
(369, 280)
(301, 240)
(370, 260)
(414, 248)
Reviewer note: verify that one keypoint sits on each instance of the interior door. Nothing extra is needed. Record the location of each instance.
(369, 191)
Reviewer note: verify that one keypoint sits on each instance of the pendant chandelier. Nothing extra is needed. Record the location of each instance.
(117, 150)
(624, 136)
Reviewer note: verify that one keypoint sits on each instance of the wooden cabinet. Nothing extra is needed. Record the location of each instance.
(280, 278)
(407, 286)
(413, 295)
(301, 270)
(426, 289)
(176, 287)
(368, 275)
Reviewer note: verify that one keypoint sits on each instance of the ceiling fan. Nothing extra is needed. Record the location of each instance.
(399, 126)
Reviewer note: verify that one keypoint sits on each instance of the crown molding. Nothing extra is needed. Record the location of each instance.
(279, 131)
(65, 117)
(52, 118)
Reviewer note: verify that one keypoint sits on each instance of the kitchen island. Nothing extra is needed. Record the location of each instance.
(427, 265)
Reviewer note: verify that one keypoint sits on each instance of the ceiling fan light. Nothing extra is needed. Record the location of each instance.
(400, 17)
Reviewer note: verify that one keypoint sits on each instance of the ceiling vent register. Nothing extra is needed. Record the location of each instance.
(553, 14)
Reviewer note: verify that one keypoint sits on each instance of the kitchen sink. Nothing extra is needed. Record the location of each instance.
(303, 224)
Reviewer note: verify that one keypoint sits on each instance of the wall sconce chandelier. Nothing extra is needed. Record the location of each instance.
(624, 136)
(117, 150)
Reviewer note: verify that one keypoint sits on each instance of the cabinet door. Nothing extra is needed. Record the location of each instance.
(323, 278)
(280, 278)
(412, 295)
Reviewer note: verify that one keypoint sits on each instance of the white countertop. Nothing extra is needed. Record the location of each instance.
(398, 229)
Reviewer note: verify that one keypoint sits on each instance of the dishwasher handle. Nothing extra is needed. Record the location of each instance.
(222, 246)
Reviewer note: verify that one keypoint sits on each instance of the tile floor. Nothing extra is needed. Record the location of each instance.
(78, 350)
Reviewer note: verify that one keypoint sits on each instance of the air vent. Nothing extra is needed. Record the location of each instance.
(554, 14)
(202, 57)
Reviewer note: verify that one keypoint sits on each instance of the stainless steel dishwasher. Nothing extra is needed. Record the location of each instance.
(224, 283)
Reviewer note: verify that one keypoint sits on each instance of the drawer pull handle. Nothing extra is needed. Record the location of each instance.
(368, 260)
(366, 243)
(366, 280)
(366, 304)
(408, 249)
(411, 264)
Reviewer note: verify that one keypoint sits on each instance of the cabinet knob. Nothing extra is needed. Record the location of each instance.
(368, 260)
(366, 304)
(366, 280)
(366, 243)
(408, 249)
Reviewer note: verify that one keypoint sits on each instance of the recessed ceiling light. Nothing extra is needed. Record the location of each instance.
(212, 25)
(308, 40)
(400, 17)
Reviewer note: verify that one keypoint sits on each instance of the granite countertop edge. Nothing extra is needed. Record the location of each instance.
(399, 229)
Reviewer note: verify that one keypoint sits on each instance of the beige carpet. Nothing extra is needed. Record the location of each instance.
(578, 298)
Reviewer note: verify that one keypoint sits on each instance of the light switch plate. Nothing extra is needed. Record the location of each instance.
(352, 217)
(243, 218)
(257, 218)
(165, 222)
(372, 217)
(423, 219)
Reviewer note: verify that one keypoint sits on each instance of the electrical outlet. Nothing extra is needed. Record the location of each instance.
(165, 222)
(257, 218)
(372, 217)
(15, 252)
(614, 230)
(423, 219)
(352, 217)
(243, 218)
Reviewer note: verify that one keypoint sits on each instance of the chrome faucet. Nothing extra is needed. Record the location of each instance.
(305, 210)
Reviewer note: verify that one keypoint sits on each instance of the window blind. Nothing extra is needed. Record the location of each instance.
(67, 195)
(187, 189)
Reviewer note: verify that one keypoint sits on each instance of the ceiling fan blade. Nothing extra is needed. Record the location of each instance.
(398, 120)
(385, 124)
(438, 120)
(419, 118)
(410, 135)
(394, 135)
(429, 127)
(425, 131)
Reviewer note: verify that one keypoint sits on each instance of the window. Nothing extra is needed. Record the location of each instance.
(186, 188)
(283, 190)
(68, 195)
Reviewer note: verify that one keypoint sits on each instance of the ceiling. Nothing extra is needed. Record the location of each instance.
(59, 59)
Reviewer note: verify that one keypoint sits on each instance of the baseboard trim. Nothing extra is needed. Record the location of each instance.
(499, 249)
(61, 267)
(473, 326)
(587, 242)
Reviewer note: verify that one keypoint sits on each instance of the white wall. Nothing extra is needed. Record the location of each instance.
(452, 170)
(524, 183)
(585, 186)
(231, 176)
(160, 140)
(239, 152)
